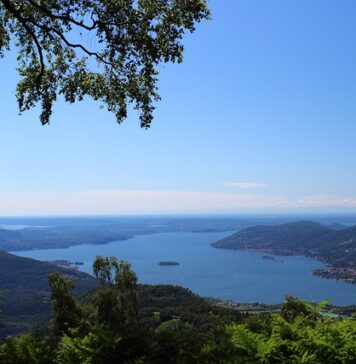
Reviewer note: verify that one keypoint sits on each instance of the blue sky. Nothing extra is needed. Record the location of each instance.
(261, 116)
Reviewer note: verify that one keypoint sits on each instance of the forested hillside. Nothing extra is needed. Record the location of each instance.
(335, 247)
(25, 294)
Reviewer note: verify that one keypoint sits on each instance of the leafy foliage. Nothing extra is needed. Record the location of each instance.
(108, 50)
(26, 349)
(304, 338)
(67, 312)
(116, 300)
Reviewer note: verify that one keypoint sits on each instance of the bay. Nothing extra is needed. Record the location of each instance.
(226, 274)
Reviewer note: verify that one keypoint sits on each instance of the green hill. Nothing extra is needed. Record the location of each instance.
(334, 247)
(25, 295)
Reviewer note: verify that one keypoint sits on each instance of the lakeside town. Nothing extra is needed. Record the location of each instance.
(345, 274)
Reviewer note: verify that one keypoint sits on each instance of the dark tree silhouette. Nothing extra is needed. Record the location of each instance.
(67, 313)
(106, 49)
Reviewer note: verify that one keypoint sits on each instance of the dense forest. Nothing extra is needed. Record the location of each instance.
(122, 322)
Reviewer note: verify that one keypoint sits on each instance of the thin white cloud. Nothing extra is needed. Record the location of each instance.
(245, 185)
(126, 202)
(326, 201)
(134, 202)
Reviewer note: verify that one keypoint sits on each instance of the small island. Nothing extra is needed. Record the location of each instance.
(63, 263)
(168, 263)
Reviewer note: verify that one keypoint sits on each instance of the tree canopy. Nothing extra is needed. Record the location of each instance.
(108, 50)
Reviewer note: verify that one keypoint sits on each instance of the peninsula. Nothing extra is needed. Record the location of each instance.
(336, 248)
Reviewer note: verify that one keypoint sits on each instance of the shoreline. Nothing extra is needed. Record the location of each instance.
(342, 274)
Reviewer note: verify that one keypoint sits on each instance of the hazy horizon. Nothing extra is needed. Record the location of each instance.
(222, 215)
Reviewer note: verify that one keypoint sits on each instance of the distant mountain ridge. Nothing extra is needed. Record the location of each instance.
(335, 247)
(58, 237)
(63, 233)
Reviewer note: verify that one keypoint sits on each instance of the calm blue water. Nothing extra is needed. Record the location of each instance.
(235, 275)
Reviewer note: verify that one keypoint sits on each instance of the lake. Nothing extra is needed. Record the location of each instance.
(207, 271)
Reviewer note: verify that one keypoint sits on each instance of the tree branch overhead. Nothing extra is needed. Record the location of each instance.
(131, 38)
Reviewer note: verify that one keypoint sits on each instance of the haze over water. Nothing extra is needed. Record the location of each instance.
(234, 275)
